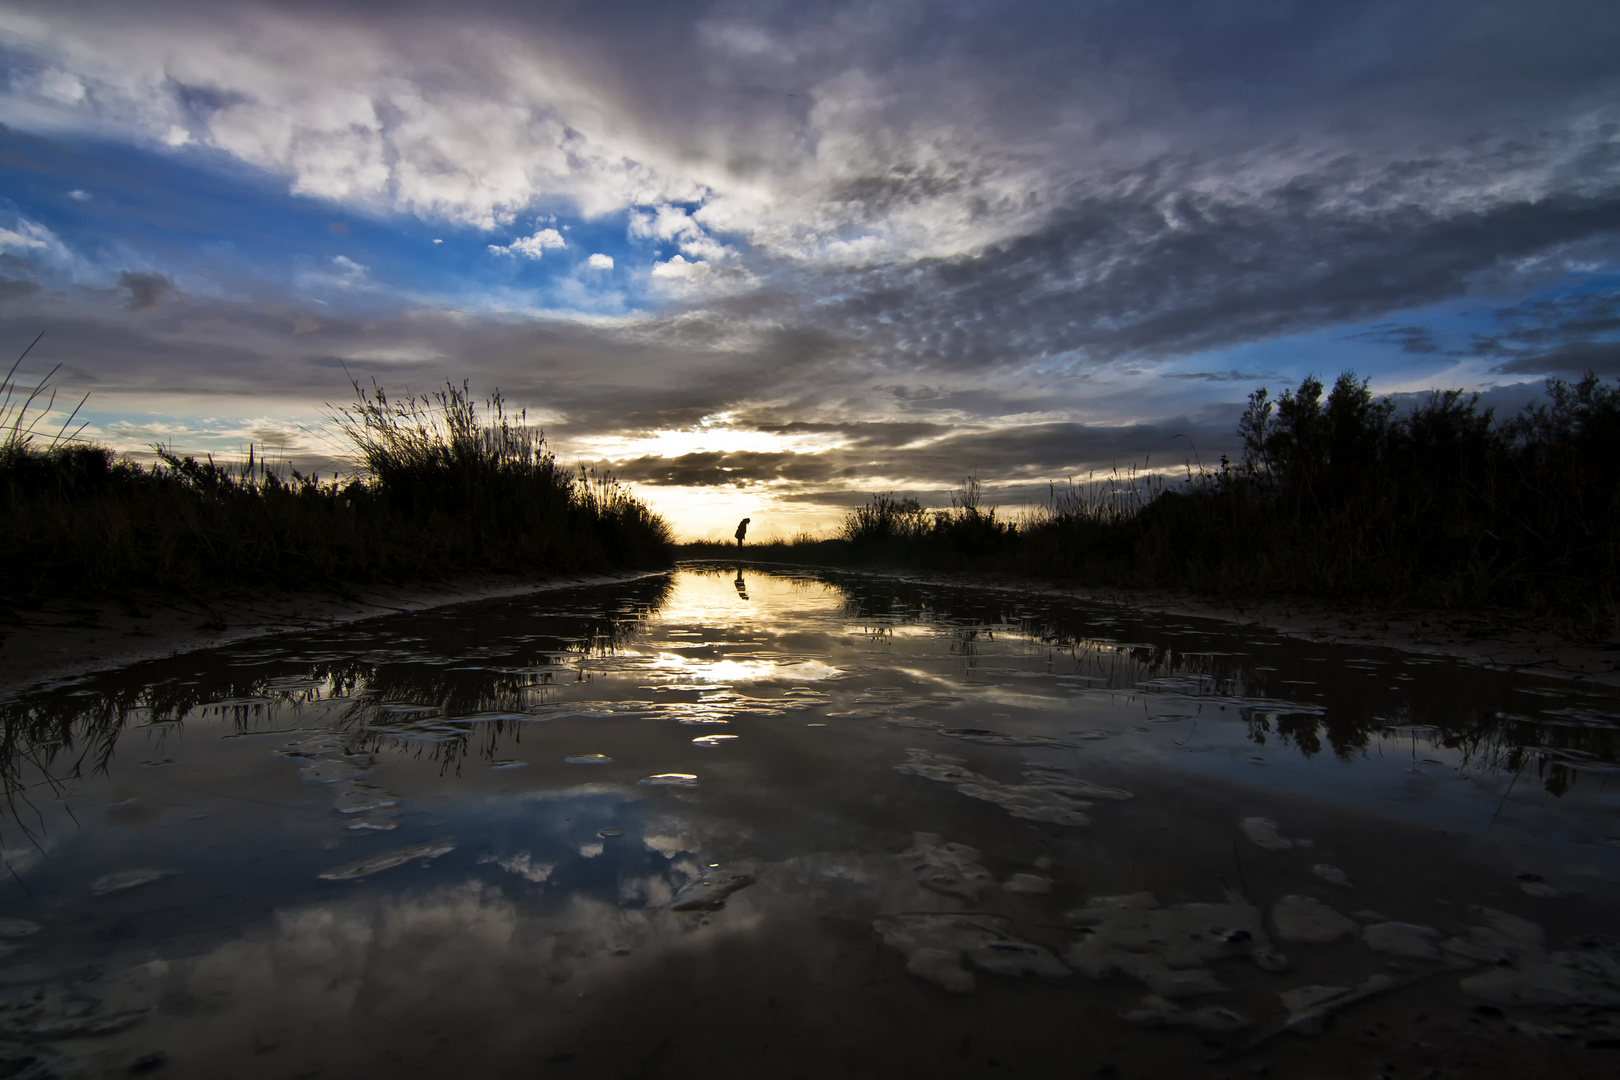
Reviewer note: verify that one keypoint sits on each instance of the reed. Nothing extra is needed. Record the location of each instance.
(1336, 496)
(443, 489)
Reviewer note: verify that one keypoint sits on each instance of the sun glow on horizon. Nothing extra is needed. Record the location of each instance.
(712, 513)
(718, 438)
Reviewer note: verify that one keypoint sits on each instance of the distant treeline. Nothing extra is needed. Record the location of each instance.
(1340, 497)
(444, 492)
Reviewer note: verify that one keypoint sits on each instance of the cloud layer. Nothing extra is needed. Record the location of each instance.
(1025, 240)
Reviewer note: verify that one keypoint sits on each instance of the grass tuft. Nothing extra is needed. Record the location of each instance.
(444, 489)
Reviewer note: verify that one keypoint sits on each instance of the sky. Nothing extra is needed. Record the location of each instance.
(764, 259)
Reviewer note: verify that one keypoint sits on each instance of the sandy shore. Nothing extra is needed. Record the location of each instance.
(65, 639)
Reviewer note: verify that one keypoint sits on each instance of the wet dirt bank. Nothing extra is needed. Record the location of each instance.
(63, 639)
(1504, 640)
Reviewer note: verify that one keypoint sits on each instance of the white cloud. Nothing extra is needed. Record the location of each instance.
(472, 126)
(13, 240)
(532, 247)
(705, 248)
(37, 243)
(339, 272)
(60, 86)
(665, 222)
(79, 195)
(678, 269)
(671, 223)
(477, 125)
(741, 39)
(600, 262)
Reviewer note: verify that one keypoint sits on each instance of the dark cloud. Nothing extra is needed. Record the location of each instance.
(1573, 359)
(1568, 335)
(715, 469)
(1231, 375)
(144, 290)
(1219, 275)
(860, 435)
(1418, 340)
(13, 290)
(1014, 454)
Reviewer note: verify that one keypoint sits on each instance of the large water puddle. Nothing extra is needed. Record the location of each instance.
(807, 824)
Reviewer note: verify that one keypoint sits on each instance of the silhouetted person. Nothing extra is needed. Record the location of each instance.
(742, 586)
(742, 530)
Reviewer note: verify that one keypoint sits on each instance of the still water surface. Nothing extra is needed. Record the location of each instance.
(799, 823)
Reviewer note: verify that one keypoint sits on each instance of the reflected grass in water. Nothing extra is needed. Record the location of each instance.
(54, 736)
(428, 693)
(963, 772)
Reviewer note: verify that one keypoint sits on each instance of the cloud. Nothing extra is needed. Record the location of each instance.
(1563, 335)
(1230, 375)
(32, 243)
(335, 274)
(1012, 453)
(59, 86)
(532, 247)
(945, 237)
(12, 291)
(678, 269)
(25, 238)
(1418, 340)
(144, 290)
(664, 223)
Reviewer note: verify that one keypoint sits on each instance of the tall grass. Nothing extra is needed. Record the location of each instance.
(1337, 496)
(443, 490)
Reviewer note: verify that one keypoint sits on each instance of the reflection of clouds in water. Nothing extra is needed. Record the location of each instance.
(523, 865)
(400, 952)
(462, 954)
(319, 960)
(648, 890)
(670, 846)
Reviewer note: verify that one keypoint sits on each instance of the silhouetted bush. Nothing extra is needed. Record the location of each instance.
(1339, 497)
(444, 492)
(900, 528)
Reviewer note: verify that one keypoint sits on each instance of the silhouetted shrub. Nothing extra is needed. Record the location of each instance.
(444, 492)
(1337, 496)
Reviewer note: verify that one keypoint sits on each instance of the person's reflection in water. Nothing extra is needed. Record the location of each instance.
(742, 586)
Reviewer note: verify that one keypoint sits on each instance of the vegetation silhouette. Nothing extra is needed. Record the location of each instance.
(444, 489)
(1337, 496)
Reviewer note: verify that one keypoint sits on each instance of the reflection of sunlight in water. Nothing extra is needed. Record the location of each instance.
(693, 669)
(1008, 733)
(710, 599)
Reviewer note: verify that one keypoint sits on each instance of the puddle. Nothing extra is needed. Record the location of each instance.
(792, 822)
